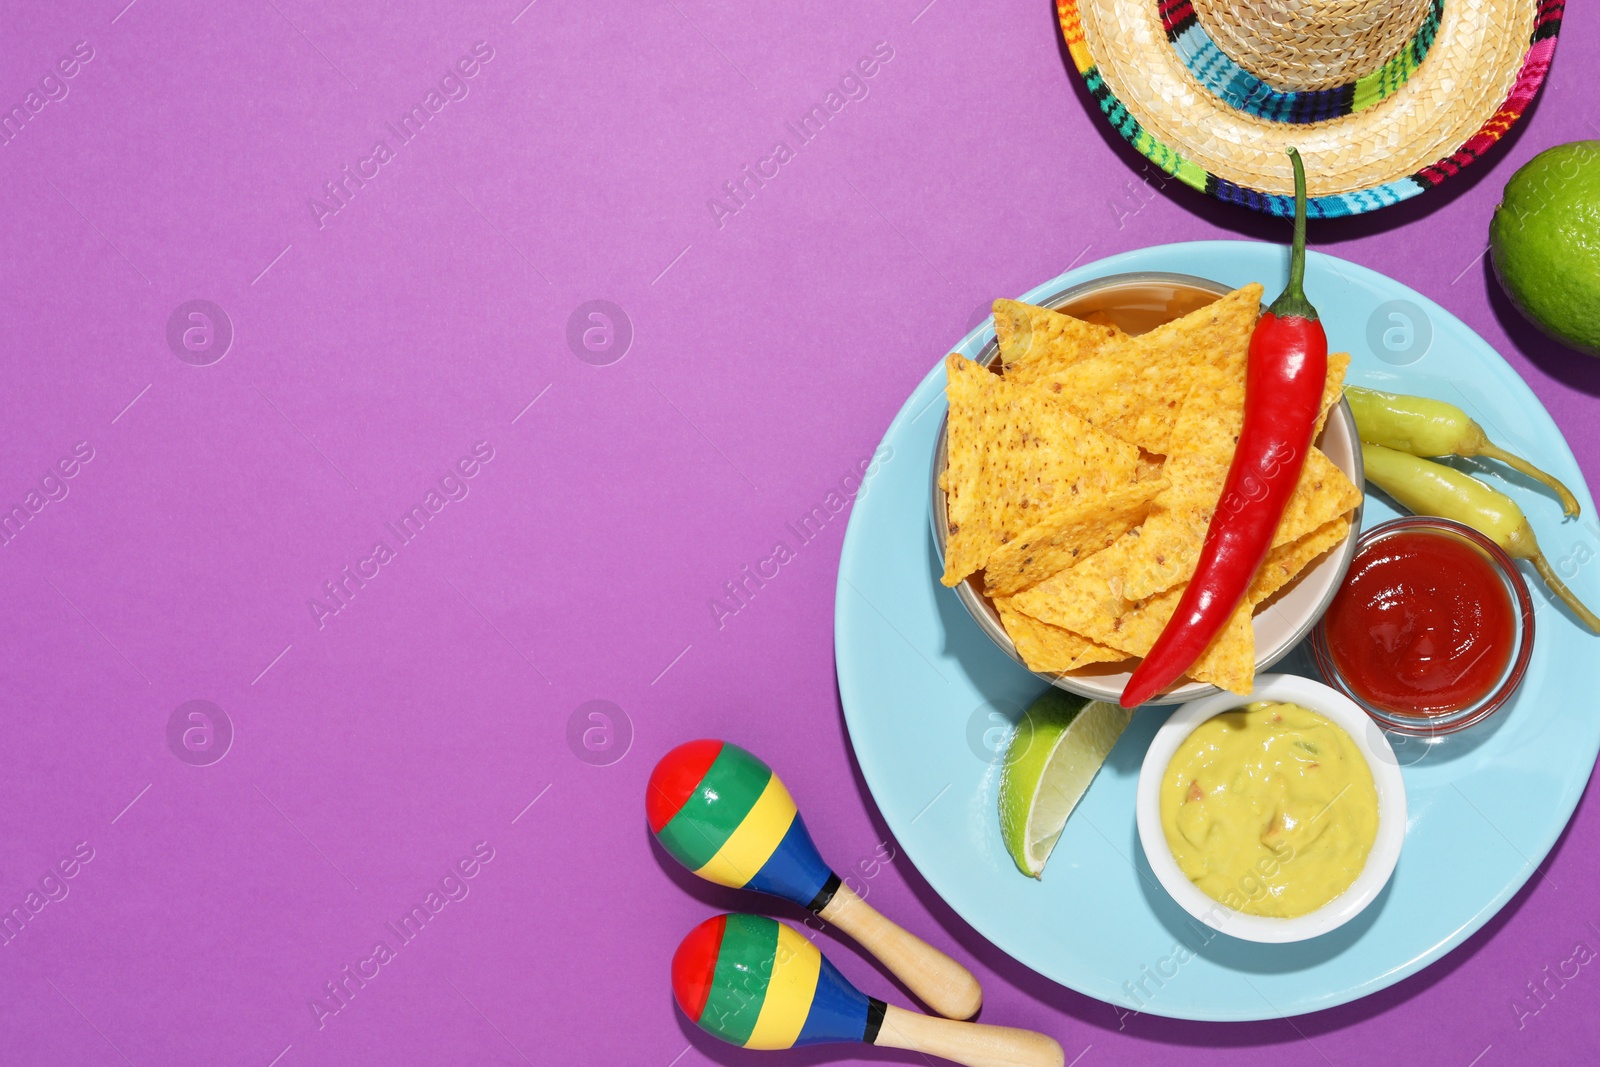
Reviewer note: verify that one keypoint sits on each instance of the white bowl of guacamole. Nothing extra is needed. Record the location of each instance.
(1275, 817)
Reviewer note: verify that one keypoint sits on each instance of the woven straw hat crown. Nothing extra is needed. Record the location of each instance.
(1308, 45)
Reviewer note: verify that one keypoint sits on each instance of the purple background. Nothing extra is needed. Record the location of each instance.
(376, 344)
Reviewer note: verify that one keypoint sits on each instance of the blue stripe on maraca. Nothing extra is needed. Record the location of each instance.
(839, 1011)
(795, 870)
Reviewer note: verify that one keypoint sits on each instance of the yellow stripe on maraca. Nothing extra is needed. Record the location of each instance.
(795, 967)
(755, 839)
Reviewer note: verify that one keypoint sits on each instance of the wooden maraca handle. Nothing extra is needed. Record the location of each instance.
(974, 1044)
(937, 980)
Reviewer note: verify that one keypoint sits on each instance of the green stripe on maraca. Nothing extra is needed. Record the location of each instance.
(744, 966)
(759, 983)
(719, 804)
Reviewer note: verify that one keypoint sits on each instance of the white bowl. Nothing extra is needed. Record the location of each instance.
(1286, 619)
(1374, 747)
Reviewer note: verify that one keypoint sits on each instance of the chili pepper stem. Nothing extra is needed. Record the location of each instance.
(1569, 503)
(1292, 301)
(1521, 544)
(1559, 588)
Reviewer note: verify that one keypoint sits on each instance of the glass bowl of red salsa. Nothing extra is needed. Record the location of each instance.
(1431, 630)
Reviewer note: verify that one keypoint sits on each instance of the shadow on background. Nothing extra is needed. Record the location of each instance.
(1565, 365)
(1248, 223)
(719, 1051)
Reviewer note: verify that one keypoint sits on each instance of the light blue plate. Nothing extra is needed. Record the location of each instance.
(928, 699)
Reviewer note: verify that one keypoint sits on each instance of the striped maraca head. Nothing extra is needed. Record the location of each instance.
(758, 983)
(723, 814)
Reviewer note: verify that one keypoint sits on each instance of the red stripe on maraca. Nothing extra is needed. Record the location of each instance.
(673, 781)
(694, 965)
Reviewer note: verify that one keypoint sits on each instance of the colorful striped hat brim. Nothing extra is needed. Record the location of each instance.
(1462, 79)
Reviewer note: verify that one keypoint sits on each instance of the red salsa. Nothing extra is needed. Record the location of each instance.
(1422, 625)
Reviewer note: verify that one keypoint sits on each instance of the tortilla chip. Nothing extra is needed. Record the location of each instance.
(1212, 411)
(1210, 415)
(964, 447)
(1333, 389)
(1084, 481)
(1172, 537)
(1216, 329)
(1015, 455)
(1050, 649)
(1323, 493)
(1285, 563)
(1168, 543)
(1138, 405)
(1035, 341)
(1088, 600)
(1082, 528)
(1133, 388)
(1203, 439)
(1229, 661)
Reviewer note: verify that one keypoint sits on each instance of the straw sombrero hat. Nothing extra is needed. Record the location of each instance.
(1383, 98)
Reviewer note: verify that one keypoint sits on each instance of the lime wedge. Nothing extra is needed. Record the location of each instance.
(1054, 754)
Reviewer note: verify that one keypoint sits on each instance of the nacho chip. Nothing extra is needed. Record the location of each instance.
(1333, 390)
(1229, 661)
(1216, 329)
(1170, 538)
(1210, 415)
(964, 446)
(1081, 528)
(1088, 600)
(1173, 535)
(1035, 341)
(1132, 628)
(1053, 467)
(1212, 411)
(1285, 563)
(1324, 492)
(1050, 649)
(1168, 543)
(1202, 443)
(1134, 388)
(1138, 405)
(1166, 553)
(1015, 454)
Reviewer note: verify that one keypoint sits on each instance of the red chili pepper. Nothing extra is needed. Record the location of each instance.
(1284, 380)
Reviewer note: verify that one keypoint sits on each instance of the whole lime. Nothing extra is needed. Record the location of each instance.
(1546, 240)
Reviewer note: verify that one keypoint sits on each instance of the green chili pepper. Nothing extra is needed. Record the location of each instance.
(1425, 427)
(1429, 488)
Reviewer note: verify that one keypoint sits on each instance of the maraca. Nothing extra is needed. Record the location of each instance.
(727, 817)
(758, 983)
